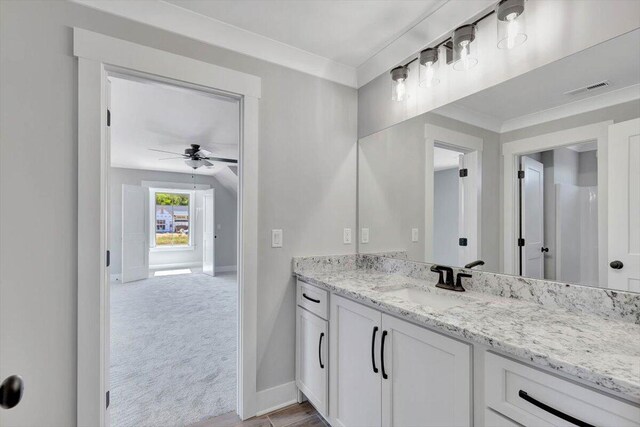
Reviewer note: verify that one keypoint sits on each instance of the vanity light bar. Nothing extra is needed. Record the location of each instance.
(460, 49)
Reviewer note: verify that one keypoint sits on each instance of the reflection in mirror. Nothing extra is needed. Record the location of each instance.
(538, 176)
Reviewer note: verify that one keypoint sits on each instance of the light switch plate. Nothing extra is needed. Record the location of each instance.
(364, 235)
(276, 238)
(346, 236)
(414, 234)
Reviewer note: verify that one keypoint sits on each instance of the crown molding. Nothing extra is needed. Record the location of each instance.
(608, 99)
(175, 19)
(437, 26)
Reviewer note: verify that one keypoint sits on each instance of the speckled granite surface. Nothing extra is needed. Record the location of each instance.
(603, 351)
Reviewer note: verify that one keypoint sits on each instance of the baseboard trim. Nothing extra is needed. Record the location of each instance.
(277, 397)
(115, 278)
(175, 265)
(226, 268)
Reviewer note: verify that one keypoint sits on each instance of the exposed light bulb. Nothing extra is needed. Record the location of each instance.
(512, 30)
(429, 74)
(464, 55)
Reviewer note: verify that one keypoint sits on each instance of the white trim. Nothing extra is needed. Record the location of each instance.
(472, 117)
(96, 53)
(175, 265)
(143, 59)
(115, 277)
(174, 185)
(614, 97)
(446, 137)
(277, 397)
(188, 23)
(226, 268)
(511, 151)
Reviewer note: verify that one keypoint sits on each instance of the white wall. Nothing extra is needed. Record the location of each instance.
(556, 29)
(225, 212)
(307, 185)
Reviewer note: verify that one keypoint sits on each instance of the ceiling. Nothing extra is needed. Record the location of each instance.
(544, 89)
(349, 32)
(147, 114)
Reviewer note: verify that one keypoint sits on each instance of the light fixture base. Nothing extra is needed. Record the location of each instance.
(399, 73)
(509, 7)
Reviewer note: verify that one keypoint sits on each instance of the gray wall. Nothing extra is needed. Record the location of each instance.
(445, 216)
(588, 169)
(225, 215)
(307, 183)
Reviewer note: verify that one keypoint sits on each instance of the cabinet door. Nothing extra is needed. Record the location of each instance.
(428, 377)
(355, 389)
(311, 358)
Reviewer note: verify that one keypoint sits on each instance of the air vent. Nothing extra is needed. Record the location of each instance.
(594, 86)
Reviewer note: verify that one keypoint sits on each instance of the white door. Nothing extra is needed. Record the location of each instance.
(428, 377)
(312, 365)
(209, 233)
(624, 205)
(469, 208)
(531, 218)
(355, 386)
(135, 238)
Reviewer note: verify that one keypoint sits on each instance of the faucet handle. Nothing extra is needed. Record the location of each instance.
(459, 277)
(435, 269)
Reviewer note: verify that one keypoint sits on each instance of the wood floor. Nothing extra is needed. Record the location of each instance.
(297, 415)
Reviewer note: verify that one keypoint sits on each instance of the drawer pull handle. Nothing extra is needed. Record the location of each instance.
(320, 350)
(373, 347)
(553, 411)
(317, 301)
(384, 374)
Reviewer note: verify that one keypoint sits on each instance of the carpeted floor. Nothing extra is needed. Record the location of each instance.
(173, 349)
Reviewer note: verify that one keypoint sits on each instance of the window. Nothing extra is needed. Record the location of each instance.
(172, 218)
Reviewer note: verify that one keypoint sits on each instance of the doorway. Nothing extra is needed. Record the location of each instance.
(173, 242)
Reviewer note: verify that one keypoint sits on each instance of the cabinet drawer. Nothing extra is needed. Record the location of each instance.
(313, 299)
(532, 397)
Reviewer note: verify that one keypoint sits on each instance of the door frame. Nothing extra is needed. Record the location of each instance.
(437, 135)
(511, 151)
(97, 54)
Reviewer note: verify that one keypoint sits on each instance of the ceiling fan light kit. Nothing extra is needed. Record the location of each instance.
(461, 48)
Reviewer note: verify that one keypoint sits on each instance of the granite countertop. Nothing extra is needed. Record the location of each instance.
(604, 352)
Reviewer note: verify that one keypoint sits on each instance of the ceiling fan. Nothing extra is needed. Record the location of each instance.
(196, 157)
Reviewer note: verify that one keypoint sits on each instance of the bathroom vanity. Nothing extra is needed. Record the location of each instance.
(379, 344)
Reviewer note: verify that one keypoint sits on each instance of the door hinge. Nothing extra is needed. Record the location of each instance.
(108, 399)
(462, 241)
(108, 117)
(520, 174)
(108, 258)
(520, 241)
(463, 172)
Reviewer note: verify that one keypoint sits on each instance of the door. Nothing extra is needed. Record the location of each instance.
(624, 205)
(135, 238)
(428, 377)
(469, 208)
(531, 218)
(208, 233)
(355, 386)
(311, 358)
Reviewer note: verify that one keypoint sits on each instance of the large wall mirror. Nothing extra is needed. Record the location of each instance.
(538, 176)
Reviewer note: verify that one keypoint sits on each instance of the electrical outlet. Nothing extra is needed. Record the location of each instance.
(364, 235)
(346, 236)
(276, 238)
(414, 234)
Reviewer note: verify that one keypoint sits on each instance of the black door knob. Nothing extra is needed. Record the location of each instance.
(544, 249)
(11, 391)
(616, 265)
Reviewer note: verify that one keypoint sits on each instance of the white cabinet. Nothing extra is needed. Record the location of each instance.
(312, 358)
(388, 372)
(428, 377)
(356, 388)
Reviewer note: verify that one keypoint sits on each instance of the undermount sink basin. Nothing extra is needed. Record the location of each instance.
(421, 297)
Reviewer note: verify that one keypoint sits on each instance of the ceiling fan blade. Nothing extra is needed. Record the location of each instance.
(203, 153)
(221, 159)
(163, 151)
(207, 163)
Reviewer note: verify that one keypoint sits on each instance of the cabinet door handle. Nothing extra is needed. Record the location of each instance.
(568, 418)
(384, 374)
(373, 345)
(317, 301)
(320, 350)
